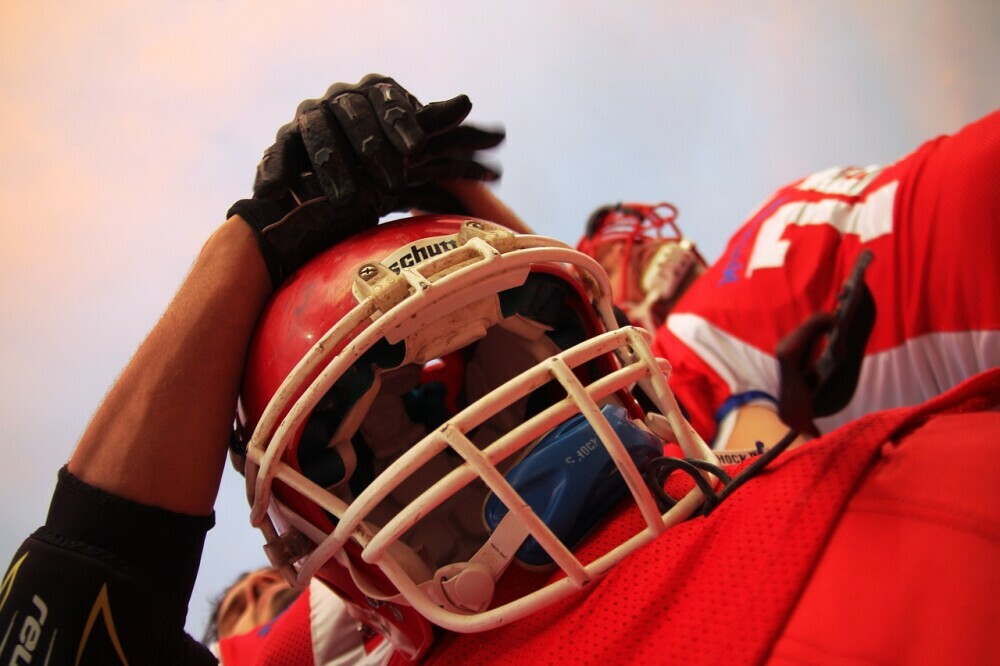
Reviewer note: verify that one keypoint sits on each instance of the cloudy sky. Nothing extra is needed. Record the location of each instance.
(129, 127)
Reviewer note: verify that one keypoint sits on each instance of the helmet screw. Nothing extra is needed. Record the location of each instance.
(367, 272)
(474, 224)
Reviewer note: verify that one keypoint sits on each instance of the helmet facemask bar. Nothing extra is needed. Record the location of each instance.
(505, 260)
(483, 464)
(392, 303)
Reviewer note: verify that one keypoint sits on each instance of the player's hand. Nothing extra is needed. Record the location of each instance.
(820, 384)
(356, 154)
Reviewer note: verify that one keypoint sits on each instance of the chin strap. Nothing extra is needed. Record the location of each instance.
(463, 587)
(468, 586)
(569, 483)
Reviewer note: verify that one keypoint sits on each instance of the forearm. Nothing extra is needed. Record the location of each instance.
(756, 423)
(480, 201)
(160, 436)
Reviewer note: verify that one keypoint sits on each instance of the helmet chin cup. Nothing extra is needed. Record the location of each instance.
(467, 588)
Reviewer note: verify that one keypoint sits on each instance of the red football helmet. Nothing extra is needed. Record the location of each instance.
(649, 260)
(437, 397)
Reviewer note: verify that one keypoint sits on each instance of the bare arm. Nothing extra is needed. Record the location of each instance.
(481, 202)
(127, 523)
(755, 423)
(160, 436)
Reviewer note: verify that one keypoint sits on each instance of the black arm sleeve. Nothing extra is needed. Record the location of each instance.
(105, 581)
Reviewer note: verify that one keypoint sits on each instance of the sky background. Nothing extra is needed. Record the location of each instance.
(128, 128)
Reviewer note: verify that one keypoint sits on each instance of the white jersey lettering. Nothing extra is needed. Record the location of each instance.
(867, 220)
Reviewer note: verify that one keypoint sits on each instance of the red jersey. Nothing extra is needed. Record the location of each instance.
(315, 630)
(858, 547)
(932, 221)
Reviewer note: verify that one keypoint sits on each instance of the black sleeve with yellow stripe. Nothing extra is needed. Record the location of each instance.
(105, 581)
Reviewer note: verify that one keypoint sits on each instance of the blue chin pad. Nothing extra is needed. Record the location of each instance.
(570, 481)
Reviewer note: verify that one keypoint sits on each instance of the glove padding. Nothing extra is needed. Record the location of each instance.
(360, 152)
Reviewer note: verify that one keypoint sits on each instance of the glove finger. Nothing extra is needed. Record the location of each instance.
(463, 140)
(339, 88)
(371, 80)
(307, 105)
(396, 111)
(366, 82)
(329, 155)
(798, 349)
(440, 117)
(445, 168)
(358, 121)
(281, 163)
(797, 371)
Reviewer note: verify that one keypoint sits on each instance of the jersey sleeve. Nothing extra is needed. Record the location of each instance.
(929, 221)
(786, 263)
(104, 581)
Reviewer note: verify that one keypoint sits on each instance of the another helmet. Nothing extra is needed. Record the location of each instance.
(436, 398)
(649, 260)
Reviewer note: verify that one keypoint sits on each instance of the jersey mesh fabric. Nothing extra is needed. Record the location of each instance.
(286, 641)
(717, 589)
(910, 575)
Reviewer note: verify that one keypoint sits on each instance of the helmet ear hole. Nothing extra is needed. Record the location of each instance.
(620, 317)
(550, 302)
(364, 470)
(426, 404)
(324, 455)
(320, 463)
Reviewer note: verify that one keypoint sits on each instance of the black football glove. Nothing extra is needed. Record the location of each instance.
(360, 152)
(816, 385)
